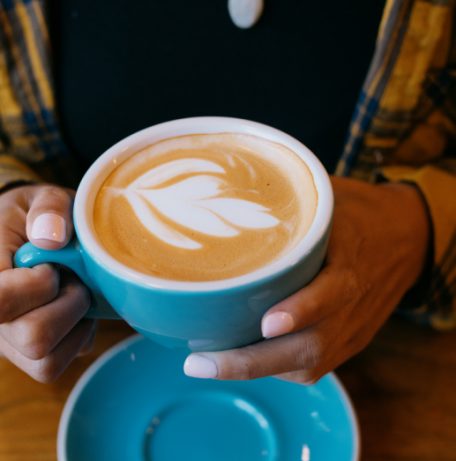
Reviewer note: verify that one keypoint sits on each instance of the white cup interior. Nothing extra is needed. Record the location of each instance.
(106, 163)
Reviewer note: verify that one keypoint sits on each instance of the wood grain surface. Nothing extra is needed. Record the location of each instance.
(403, 387)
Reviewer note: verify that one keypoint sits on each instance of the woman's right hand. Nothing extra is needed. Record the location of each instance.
(42, 328)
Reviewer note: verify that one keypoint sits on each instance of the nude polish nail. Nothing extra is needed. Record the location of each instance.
(49, 226)
(276, 324)
(198, 366)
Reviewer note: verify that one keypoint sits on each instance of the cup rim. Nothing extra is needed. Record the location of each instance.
(119, 152)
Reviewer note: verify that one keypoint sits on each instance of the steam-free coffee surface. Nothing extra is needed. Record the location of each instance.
(205, 207)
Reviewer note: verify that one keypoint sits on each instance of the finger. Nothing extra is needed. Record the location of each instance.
(22, 290)
(307, 377)
(304, 350)
(328, 291)
(36, 333)
(49, 368)
(12, 234)
(88, 346)
(303, 376)
(49, 222)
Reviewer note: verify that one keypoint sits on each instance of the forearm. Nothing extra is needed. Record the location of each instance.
(417, 223)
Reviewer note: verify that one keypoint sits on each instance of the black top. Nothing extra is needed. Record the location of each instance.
(121, 66)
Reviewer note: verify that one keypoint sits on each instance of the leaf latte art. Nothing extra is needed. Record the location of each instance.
(193, 202)
(205, 207)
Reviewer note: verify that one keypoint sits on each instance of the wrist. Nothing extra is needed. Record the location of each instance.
(16, 184)
(414, 213)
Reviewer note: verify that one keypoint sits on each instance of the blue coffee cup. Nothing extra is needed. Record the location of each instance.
(201, 316)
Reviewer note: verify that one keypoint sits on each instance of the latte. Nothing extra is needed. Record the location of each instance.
(205, 207)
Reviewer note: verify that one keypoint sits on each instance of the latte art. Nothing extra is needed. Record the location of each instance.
(205, 207)
(195, 203)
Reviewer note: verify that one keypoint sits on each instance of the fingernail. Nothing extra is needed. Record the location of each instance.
(276, 324)
(198, 366)
(49, 226)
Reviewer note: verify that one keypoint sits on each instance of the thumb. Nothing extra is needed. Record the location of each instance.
(49, 221)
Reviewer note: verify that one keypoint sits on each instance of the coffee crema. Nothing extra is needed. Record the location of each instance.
(205, 207)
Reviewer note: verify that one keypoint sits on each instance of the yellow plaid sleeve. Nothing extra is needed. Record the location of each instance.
(14, 171)
(31, 145)
(404, 129)
(439, 189)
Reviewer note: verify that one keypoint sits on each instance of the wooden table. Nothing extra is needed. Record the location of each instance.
(403, 387)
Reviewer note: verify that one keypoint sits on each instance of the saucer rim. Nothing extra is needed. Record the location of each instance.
(86, 376)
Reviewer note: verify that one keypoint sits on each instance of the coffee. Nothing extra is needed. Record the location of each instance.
(205, 207)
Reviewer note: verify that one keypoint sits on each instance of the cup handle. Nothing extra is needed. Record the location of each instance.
(29, 255)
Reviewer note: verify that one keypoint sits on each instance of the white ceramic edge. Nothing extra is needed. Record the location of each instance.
(352, 416)
(123, 149)
(62, 432)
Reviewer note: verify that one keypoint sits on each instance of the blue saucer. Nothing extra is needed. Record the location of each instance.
(135, 404)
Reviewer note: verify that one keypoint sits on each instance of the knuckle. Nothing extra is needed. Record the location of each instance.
(310, 353)
(5, 304)
(246, 366)
(45, 371)
(46, 278)
(352, 289)
(78, 294)
(33, 339)
(350, 282)
(22, 289)
(55, 193)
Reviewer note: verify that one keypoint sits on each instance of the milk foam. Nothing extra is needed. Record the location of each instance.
(205, 207)
(193, 202)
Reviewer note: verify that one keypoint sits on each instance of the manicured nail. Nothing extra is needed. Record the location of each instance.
(276, 324)
(49, 226)
(198, 366)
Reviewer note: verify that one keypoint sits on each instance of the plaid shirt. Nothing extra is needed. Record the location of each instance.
(403, 128)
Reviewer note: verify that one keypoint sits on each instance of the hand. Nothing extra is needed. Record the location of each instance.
(41, 325)
(376, 252)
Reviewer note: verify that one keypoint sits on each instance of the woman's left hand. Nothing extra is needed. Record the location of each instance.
(376, 252)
